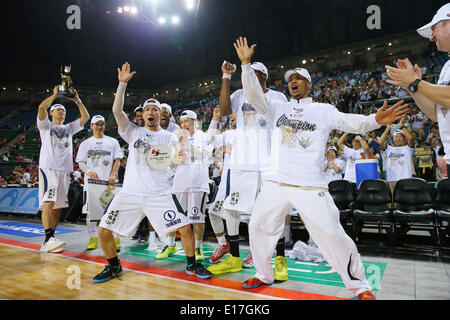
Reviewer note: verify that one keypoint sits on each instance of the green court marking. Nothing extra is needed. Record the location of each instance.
(319, 273)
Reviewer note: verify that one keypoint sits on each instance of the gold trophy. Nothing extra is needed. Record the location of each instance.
(66, 89)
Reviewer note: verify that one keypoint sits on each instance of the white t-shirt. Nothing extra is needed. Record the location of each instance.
(57, 149)
(99, 155)
(26, 177)
(331, 174)
(251, 149)
(172, 127)
(443, 114)
(140, 178)
(351, 155)
(398, 162)
(193, 174)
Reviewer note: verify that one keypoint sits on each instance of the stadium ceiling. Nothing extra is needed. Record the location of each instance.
(37, 41)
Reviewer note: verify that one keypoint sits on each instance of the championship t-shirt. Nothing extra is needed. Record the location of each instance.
(398, 162)
(351, 155)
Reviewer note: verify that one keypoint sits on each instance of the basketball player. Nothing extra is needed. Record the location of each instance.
(99, 158)
(296, 178)
(146, 188)
(166, 114)
(248, 157)
(56, 163)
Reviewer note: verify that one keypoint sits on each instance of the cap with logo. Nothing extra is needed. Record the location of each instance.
(57, 106)
(303, 72)
(442, 14)
(97, 118)
(188, 114)
(259, 66)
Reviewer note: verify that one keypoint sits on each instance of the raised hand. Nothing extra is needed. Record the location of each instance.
(125, 75)
(389, 116)
(244, 52)
(216, 114)
(227, 68)
(404, 75)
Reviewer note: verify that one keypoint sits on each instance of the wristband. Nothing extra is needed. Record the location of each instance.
(78, 101)
(226, 76)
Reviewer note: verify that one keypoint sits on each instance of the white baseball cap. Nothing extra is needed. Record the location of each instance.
(188, 114)
(260, 67)
(138, 108)
(300, 71)
(398, 132)
(97, 118)
(332, 148)
(442, 14)
(57, 106)
(165, 105)
(152, 102)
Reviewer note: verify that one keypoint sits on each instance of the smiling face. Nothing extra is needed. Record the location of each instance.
(298, 86)
(58, 115)
(187, 124)
(399, 140)
(139, 118)
(441, 35)
(98, 129)
(165, 118)
(151, 115)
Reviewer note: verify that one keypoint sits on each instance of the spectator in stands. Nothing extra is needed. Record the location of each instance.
(358, 151)
(441, 164)
(26, 176)
(333, 166)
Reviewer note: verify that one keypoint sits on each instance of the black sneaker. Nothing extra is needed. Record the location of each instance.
(135, 236)
(108, 273)
(198, 270)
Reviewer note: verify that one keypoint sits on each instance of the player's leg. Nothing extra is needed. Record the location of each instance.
(265, 229)
(152, 243)
(196, 215)
(321, 218)
(222, 244)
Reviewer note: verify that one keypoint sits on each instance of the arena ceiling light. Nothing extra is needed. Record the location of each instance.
(162, 20)
(190, 4)
(175, 20)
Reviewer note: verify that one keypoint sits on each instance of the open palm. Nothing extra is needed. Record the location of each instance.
(125, 75)
(396, 112)
(244, 52)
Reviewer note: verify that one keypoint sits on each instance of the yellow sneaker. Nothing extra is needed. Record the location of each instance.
(229, 264)
(117, 244)
(166, 252)
(281, 270)
(199, 256)
(93, 243)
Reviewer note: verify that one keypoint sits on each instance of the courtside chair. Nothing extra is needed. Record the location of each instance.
(343, 193)
(373, 206)
(442, 206)
(414, 199)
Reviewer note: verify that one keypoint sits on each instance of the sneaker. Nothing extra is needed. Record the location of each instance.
(135, 236)
(253, 282)
(248, 262)
(229, 264)
(199, 256)
(108, 273)
(221, 250)
(117, 244)
(152, 246)
(366, 295)
(197, 269)
(53, 244)
(166, 252)
(281, 270)
(93, 243)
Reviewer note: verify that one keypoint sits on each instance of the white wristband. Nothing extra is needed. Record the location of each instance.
(78, 101)
(226, 76)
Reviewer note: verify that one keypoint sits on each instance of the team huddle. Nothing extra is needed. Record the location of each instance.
(272, 163)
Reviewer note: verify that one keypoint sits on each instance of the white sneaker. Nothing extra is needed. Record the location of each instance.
(152, 246)
(53, 245)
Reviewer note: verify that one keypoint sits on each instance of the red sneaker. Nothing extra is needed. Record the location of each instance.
(367, 295)
(221, 250)
(253, 283)
(248, 262)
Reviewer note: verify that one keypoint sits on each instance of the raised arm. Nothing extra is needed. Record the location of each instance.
(84, 114)
(409, 137)
(124, 76)
(341, 141)
(384, 136)
(224, 100)
(43, 107)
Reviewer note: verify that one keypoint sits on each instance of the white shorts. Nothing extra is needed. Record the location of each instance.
(216, 205)
(54, 187)
(125, 212)
(244, 187)
(193, 204)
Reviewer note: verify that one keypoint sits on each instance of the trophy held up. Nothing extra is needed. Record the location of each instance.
(66, 88)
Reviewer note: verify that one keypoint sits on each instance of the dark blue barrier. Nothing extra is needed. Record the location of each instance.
(19, 200)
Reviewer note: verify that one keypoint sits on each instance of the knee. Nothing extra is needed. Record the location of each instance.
(185, 231)
(102, 232)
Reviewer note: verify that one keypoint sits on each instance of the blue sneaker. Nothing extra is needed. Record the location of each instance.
(198, 270)
(108, 273)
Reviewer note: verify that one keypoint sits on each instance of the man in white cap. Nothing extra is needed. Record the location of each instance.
(296, 178)
(146, 188)
(333, 166)
(249, 156)
(138, 116)
(433, 100)
(56, 163)
(99, 158)
(166, 114)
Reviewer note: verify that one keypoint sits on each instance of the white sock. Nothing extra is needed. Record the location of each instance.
(171, 240)
(198, 244)
(92, 228)
(152, 236)
(222, 240)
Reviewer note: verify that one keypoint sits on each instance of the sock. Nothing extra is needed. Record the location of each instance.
(114, 262)
(171, 240)
(198, 244)
(190, 260)
(92, 228)
(48, 234)
(234, 245)
(280, 247)
(222, 240)
(216, 223)
(152, 236)
(287, 232)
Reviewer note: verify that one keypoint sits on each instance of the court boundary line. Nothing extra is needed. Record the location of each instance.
(223, 284)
